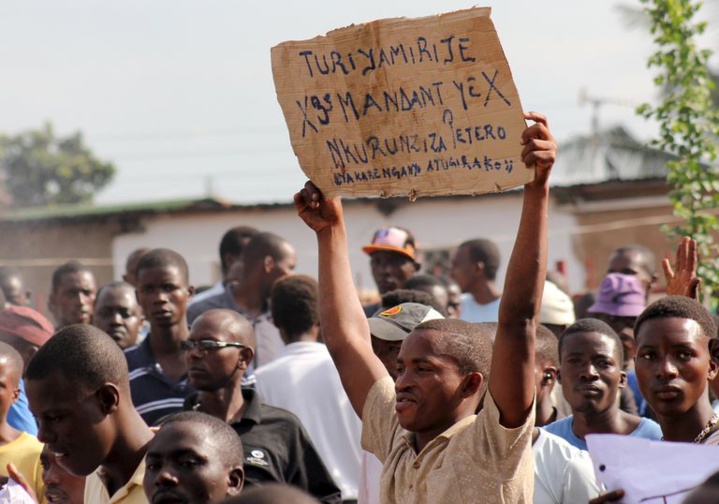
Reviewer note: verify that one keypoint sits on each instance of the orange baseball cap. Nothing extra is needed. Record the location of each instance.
(393, 239)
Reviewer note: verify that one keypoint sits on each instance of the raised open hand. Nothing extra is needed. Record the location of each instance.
(318, 212)
(682, 279)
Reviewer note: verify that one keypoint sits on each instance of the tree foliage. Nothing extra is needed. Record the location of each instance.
(689, 126)
(40, 168)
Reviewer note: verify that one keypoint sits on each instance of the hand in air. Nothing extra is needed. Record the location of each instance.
(682, 279)
(318, 212)
(540, 149)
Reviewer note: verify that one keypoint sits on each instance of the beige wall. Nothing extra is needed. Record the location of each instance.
(37, 249)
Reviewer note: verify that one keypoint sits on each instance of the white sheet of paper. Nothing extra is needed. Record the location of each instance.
(650, 472)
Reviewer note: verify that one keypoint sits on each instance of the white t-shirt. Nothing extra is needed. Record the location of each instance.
(563, 474)
(475, 312)
(303, 380)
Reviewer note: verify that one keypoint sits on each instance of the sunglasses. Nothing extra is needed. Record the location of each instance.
(208, 345)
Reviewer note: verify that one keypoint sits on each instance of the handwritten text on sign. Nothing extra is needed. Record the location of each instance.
(404, 107)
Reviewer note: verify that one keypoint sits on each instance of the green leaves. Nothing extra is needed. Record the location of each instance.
(689, 127)
(42, 169)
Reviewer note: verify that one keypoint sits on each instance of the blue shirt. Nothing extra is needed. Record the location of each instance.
(19, 416)
(153, 394)
(564, 428)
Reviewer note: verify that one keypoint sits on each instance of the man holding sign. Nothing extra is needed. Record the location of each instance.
(423, 427)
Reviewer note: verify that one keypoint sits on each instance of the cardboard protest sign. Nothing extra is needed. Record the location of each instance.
(416, 107)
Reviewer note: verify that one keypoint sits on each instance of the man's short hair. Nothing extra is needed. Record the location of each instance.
(399, 296)
(590, 325)
(163, 258)
(418, 282)
(271, 493)
(67, 269)
(112, 286)
(486, 252)
(546, 347)
(14, 359)
(222, 435)
(294, 302)
(262, 245)
(469, 345)
(647, 255)
(84, 355)
(233, 242)
(679, 307)
(135, 257)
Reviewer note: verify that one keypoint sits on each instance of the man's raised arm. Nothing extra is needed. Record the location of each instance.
(511, 379)
(344, 326)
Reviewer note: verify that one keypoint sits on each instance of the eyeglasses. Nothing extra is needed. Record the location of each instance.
(206, 345)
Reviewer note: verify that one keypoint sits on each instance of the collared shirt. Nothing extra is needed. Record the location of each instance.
(277, 449)
(131, 493)
(475, 460)
(154, 395)
(267, 337)
(307, 366)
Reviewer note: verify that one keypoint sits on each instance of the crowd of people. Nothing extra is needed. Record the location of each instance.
(271, 387)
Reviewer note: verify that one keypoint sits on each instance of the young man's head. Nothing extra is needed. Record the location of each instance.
(60, 486)
(25, 329)
(295, 311)
(267, 258)
(454, 295)
(432, 286)
(591, 363)
(475, 262)
(72, 295)
(78, 389)
(232, 244)
(218, 350)
(442, 372)
(118, 314)
(677, 354)
(620, 300)
(131, 265)
(11, 366)
(193, 459)
(546, 366)
(393, 258)
(163, 288)
(635, 260)
(13, 287)
(391, 326)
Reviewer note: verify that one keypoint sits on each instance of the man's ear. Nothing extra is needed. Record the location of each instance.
(16, 394)
(622, 380)
(235, 481)
(559, 376)
(713, 358)
(268, 264)
(247, 355)
(471, 384)
(191, 290)
(108, 396)
(549, 376)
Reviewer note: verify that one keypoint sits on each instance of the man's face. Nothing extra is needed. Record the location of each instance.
(387, 351)
(591, 372)
(214, 369)
(184, 465)
(60, 486)
(427, 385)
(673, 364)
(72, 424)
(74, 298)
(118, 314)
(454, 305)
(464, 271)
(9, 389)
(631, 262)
(163, 293)
(391, 270)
